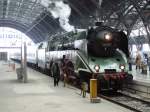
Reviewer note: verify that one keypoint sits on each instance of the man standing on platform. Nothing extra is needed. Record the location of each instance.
(130, 63)
(84, 88)
(148, 63)
(56, 74)
(63, 67)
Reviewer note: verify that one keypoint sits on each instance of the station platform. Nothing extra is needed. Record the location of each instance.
(139, 76)
(141, 83)
(39, 95)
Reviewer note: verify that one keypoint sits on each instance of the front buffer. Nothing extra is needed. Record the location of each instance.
(113, 81)
(106, 82)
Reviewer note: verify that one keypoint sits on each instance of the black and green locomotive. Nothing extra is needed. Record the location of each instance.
(100, 52)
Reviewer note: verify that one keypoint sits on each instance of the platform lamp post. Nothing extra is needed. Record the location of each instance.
(23, 61)
(21, 58)
(25, 64)
(93, 86)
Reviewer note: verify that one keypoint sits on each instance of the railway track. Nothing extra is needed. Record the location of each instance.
(129, 102)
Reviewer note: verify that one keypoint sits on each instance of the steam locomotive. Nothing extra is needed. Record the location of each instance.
(100, 52)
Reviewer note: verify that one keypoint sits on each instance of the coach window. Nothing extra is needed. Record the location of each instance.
(59, 47)
(70, 46)
(80, 35)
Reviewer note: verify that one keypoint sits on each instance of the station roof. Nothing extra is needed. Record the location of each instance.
(35, 18)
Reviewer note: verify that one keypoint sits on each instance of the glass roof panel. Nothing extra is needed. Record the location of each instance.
(32, 13)
(25, 11)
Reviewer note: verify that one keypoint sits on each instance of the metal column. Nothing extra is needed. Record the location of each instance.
(25, 79)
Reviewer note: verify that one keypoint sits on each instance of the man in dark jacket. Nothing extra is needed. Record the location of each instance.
(56, 74)
(148, 62)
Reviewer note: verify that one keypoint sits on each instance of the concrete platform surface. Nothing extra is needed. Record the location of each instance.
(39, 95)
(139, 76)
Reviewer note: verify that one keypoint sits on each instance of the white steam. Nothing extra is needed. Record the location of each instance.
(100, 2)
(45, 3)
(59, 10)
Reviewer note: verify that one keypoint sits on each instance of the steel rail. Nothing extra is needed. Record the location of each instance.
(106, 97)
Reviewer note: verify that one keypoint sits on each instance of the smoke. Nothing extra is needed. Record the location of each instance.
(59, 10)
(100, 2)
(45, 3)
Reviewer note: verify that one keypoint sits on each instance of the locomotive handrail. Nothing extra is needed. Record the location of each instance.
(78, 53)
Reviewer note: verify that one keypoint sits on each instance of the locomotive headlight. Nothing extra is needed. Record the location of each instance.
(108, 36)
(122, 67)
(97, 68)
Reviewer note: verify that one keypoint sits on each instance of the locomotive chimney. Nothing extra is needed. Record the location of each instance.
(98, 23)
